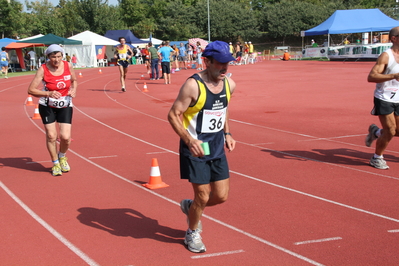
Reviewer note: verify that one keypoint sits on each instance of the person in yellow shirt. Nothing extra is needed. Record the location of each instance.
(123, 53)
(251, 47)
(231, 48)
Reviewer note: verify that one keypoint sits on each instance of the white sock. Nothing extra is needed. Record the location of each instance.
(376, 156)
(55, 162)
(378, 133)
(60, 155)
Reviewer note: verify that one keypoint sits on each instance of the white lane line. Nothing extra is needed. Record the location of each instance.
(177, 203)
(266, 143)
(318, 240)
(331, 138)
(305, 135)
(217, 254)
(101, 157)
(155, 152)
(393, 231)
(314, 160)
(54, 232)
(319, 198)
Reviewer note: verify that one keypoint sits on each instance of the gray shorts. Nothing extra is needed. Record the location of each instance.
(384, 108)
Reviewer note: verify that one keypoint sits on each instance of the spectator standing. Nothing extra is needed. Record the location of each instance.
(182, 55)
(199, 56)
(166, 51)
(32, 59)
(190, 54)
(67, 57)
(74, 60)
(154, 59)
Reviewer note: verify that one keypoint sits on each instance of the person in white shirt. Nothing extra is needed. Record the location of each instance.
(385, 73)
(32, 60)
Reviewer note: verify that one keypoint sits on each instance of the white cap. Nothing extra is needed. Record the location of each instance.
(249, 42)
(245, 42)
(54, 48)
(229, 42)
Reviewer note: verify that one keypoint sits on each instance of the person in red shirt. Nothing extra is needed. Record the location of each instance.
(146, 58)
(55, 104)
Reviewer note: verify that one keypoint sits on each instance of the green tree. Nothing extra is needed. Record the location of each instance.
(70, 17)
(44, 18)
(12, 19)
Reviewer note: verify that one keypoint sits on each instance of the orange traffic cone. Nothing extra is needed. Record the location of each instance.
(155, 177)
(37, 114)
(99, 71)
(145, 87)
(80, 75)
(30, 102)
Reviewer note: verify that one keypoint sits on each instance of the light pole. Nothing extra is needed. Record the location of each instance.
(209, 25)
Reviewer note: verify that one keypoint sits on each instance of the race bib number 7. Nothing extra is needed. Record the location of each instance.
(62, 102)
(391, 93)
(213, 120)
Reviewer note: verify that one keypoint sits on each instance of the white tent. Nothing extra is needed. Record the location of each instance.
(86, 53)
(154, 41)
(31, 37)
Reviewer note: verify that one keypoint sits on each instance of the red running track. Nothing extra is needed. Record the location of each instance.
(302, 192)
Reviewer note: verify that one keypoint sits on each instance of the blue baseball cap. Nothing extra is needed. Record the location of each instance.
(219, 51)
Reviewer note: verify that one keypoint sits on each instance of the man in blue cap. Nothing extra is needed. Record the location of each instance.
(202, 103)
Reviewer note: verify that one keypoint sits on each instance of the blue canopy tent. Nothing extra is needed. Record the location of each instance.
(6, 41)
(353, 21)
(127, 34)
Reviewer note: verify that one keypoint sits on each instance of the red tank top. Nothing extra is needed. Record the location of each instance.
(62, 83)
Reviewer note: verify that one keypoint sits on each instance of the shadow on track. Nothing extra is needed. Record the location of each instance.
(128, 222)
(337, 156)
(23, 163)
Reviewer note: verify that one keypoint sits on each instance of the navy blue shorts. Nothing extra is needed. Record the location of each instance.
(203, 172)
(123, 63)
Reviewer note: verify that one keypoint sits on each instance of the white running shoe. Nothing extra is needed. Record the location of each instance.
(193, 241)
(379, 163)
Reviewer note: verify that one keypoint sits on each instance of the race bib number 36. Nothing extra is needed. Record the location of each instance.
(62, 102)
(213, 120)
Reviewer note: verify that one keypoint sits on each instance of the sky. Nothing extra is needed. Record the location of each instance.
(55, 2)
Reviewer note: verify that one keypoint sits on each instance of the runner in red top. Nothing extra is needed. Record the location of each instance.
(55, 104)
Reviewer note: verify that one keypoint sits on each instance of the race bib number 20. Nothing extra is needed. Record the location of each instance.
(213, 120)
